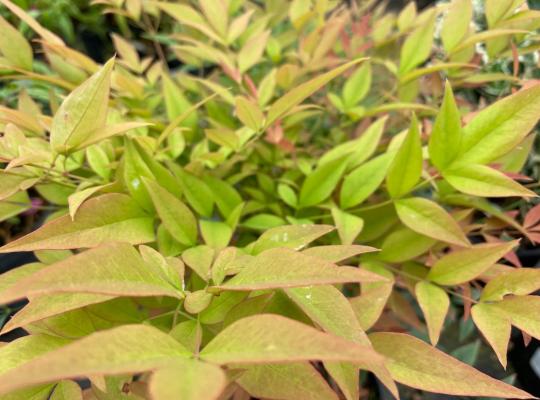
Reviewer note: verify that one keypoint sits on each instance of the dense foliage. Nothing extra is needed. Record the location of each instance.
(233, 226)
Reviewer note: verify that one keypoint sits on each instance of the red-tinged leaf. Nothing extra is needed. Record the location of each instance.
(189, 380)
(532, 218)
(116, 269)
(293, 237)
(285, 268)
(274, 339)
(122, 350)
(111, 217)
(495, 327)
(419, 365)
(337, 253)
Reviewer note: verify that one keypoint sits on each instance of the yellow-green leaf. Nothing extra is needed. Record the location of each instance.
(348, 225)
(484, 181)
(465, 265)
(417, 47)
(119, 219)
(249, 113)
(524, 312)
(175, 215)
(495, 327)
(14, 47)
(67, 390)
(295, 96)
(320, 184)
(284, 268)
(416, 364)
(428, 218)
(456, 23)
(519, 282)
(434, 303)
(406, 167)
(290, 236)
(337, 253)
(82, 112)
(357, 86)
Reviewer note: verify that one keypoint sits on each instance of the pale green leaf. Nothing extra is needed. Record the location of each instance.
(404, 244)
(252, 51)
(199, 259)
(417, 364)
(417, 47)
(119, 219)
(14, 47)
(216, 234)
(284, 268)
(406, 167)
(348, 225)
(428, 218)
(434, 303)
(175, 215)
(197, 301)
(126, 349)
(357, 85)
(82, 112)
(113, 269)
(484, 181)
(462, 266)
(320, 184)
(456, 23)
(301, 92)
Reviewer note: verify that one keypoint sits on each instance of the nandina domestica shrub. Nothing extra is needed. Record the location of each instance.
(314, 194)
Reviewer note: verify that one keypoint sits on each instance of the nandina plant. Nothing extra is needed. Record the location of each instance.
(241, 235)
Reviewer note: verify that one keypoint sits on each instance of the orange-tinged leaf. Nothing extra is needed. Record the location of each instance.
(286, 381)
(465, 265)
(419, 365)
(434, 303)
(294, 237)
(337, 253)
(114, 269)
(272, 339)
(190, 380)
(524, 312)
(126, 349)
(14, 47)
(99, 220)
(520, 282)
(249, 113)
(285, 268)
(430, 219)
(295, 96)
(495, 327)
(82, 112)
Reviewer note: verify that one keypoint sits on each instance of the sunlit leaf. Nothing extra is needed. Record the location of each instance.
(434, 303)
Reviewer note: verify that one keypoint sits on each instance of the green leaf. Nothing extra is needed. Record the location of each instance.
(301, 92)
(287, 381)
(290, 236)
(428, 218)
(197, 192)
(364, 181)
(434, 303)
(456, 23)
(115, 269)
(524, 312)
(465, 265)
(320, 184)
(76, 199)
(190, 380)
(220, 307)
(404, 244)
(199, 259)
(126, 349)
(273, 339)
(197, 301)
(82, 112)
(119, 219)
(175, 215)
(416, 364)
(14, 205)
(14, 47)
(518, 282)
(499, 128)
(216, 234)
(348, 225)
(417, 47)
(406, 167)
(483, 181)
(357, 86)
(444, 143)
(495, 327)
(67, 390)
(176, 103)
(249, 113)
(284, 268)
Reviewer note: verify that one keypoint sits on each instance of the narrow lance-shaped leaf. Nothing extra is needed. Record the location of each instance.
(14, 47)
(406, 167)
(82, 112)
(175, 215)
(416, 364)
(284, 268)
(446, 135)
(434, 303)
(99, 220)
(417, 46)
(114, 269)
(293, 237)
(495, 327)
(294, 97)
(126, 349)
(456, 23)
(320, 184)
(428, 218)
(465, 265)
